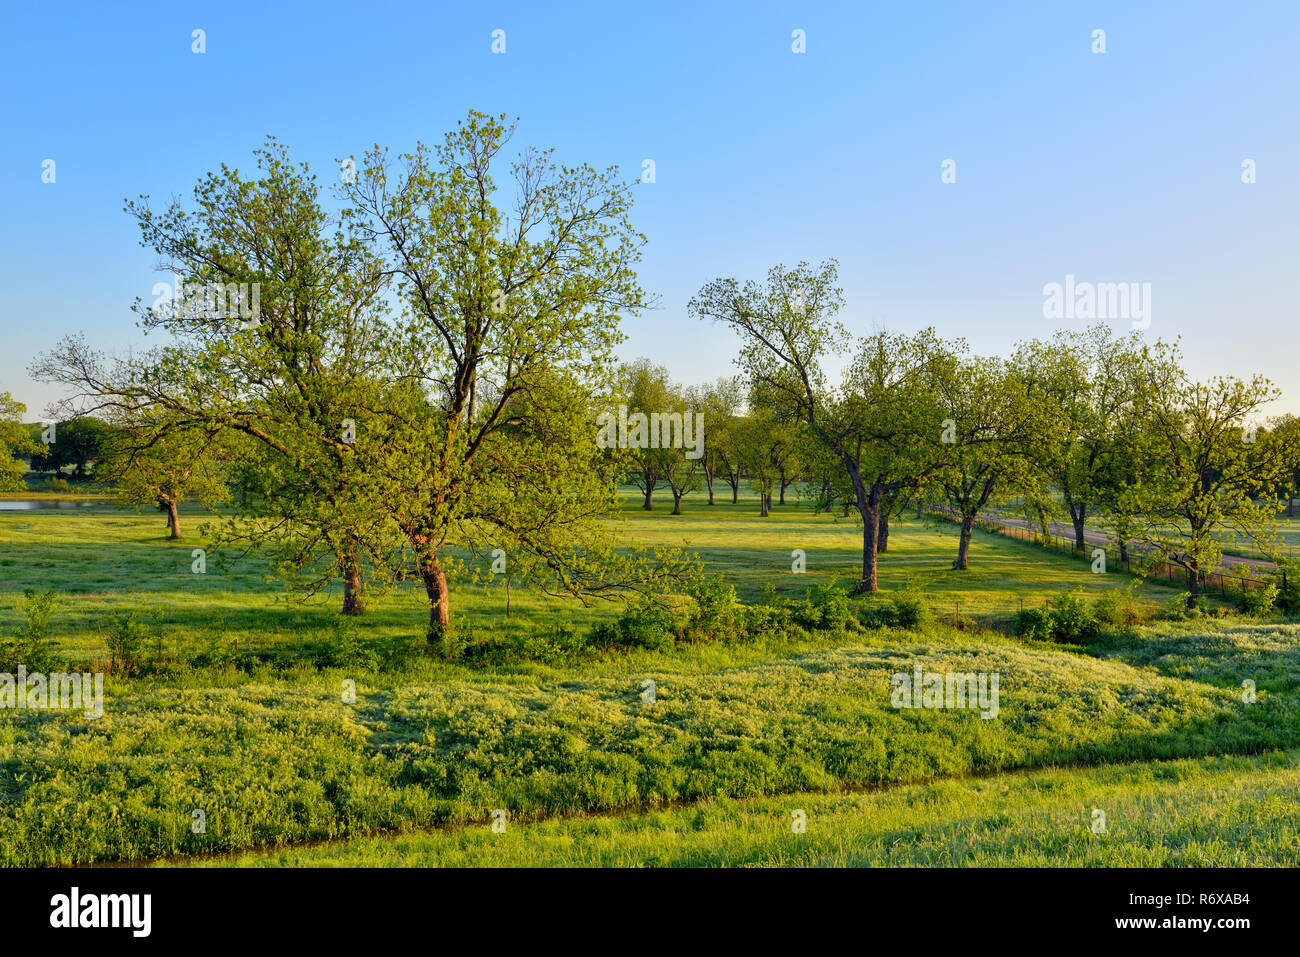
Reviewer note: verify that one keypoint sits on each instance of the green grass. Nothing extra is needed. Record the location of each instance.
(274, 757)
(104, 560)
(1212, 812)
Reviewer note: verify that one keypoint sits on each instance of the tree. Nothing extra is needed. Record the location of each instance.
(994, 407)
(149, 461)
(78, 442)
(512, 317)
(274, 334)
(1207, 473)
(719, 401)
(882, 424)
(648, 388)
(15, 442)
(1091, 382)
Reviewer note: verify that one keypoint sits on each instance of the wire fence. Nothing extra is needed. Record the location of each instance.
(1210, 582)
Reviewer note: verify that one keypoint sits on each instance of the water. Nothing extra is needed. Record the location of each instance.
(30, 504)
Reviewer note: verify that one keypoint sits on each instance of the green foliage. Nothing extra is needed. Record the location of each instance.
(770, 622)
(32, 646)
(647, 624)
(277, 758)
(347, 648)
(1119, 607)
(1258, 602)
(15, 442)
(910, 609)
(832, 604)
(1178, 608)
(715, 614)
(562, 644)
(1072, 619)
(1034, 624)
(1288, 598)
(1068, 620)
(125, 637)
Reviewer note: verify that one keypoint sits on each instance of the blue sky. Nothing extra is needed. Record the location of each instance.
(1115, 167)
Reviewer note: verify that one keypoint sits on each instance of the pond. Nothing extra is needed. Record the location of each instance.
(30, 504)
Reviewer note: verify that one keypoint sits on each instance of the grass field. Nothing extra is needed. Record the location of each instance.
(1214, 812)
(252, 729)
(106, 559)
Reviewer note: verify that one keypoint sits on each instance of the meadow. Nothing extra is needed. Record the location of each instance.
(243, 716)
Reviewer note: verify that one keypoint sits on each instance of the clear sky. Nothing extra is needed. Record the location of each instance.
(1123, 166)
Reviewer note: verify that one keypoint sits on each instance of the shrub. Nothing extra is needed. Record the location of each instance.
(1034, 624)
(807, 615)
(909, 608)
(562, 643)
(1288, 599)
(647, 625)
(32, 646)
(1258, 602)
(716, 614)
(1072, 621)
(124, 638)
(876, 614)
(347, 649)
(832, 604)
(1175, 609)
(766, 622)
(1118, 607)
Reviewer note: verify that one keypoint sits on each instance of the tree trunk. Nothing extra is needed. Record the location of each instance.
(1042, 522)
(763, 500)
(352, 586)
(173, 518)
(870, 512)
(649, 503)
(735, 492)
(1193, 586)
(708, 477)
(919, 514)
(677, 503)
(882, 539)
(1077, 516)
(435, 586)
(963, 544)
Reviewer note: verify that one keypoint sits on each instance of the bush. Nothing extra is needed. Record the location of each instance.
(876, 615)
(1118, 607)
(832, 605)
(1034, 624)
(32, 647)
(1072, 621)
(1175, 609)
(124, 638)
(648, 625)
(909, 608)
(807, 615)
(1258, 602)
(1288, 599)
(562, 643)
(716, 614)
(766, 622)
(347, 649)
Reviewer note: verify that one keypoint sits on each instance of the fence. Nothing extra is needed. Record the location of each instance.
(1174, 574)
